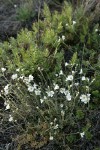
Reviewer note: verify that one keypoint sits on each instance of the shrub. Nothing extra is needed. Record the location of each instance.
(47, 108)
(26, 11)
(65, 33)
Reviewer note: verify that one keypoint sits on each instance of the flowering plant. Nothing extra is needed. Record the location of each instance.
(49, 80)
(51, 103)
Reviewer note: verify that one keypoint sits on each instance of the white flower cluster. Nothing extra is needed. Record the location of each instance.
(85, 98)
(31, 87)
(34, 88)
(43, 99)
(27, 80)
(66, 92)
(6, 89)
(69, 78)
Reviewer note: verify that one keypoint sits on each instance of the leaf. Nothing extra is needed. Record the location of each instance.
(88, 135)
(71, 138)
(79, 114)
(46, 12)
(74, 58)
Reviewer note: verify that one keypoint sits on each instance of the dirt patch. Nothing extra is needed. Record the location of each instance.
(9, 25)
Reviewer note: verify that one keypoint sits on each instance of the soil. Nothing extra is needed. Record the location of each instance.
(9, 25)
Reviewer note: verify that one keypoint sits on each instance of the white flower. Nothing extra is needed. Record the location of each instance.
(26, 81)
(63, 37)
(62, 90)
(74, 22)
(30, 78)
(18, 70)
(35, 86)
(50, 93)
(73, 72)
(68, 97)
(39, 68)
(15, 5)
(88, 96)
(51, 138)
(61, 72)
(6, 89)
(96, 30)
(56, 126)
(61, 105)
(45, 98)
(66, 64)
(85, 98)
(3, 69)
(82, 134)
(10, 118)
(30, 88)
(55, 119)
(21, 77)
(70, 85)
(14, 76)
(83, 78)
(41, 100)
(76, 84)
(37, 92)
(81, 71)
(7, 106)
(56, 75)
(56, 86)
(67, 24)
(69, 78)
(51, 123)
(62, 113)
(5, 103)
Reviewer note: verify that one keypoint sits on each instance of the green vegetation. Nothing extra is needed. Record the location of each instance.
(50, 78)
(26, 11)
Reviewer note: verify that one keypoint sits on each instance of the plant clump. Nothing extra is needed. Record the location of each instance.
(49, 80)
